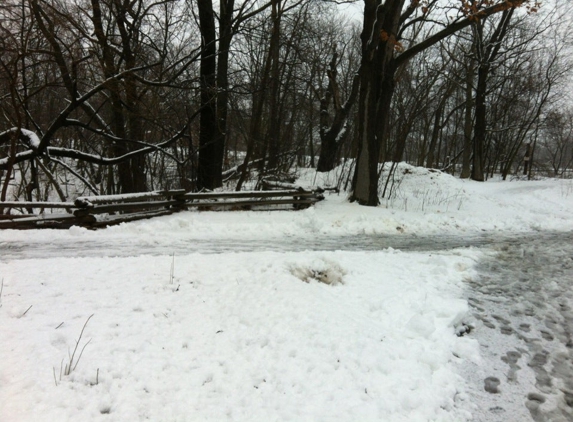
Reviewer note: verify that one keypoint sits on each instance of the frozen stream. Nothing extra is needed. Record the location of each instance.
(522, 304)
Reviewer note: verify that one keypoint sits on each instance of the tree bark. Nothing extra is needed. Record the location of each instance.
(381, 22)
(132, 174)
(468, 122)
(527, 158)
(487, 52)
(209, 171)
(274, 98)
(225, 38)
(480, 125)
(332, 133)
(435, 134)
(255, 145)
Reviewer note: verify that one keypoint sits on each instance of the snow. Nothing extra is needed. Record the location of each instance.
(235, 337)
(425, 203)
(252, 336)
(33, 138)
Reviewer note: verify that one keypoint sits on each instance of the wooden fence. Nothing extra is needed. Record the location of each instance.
(106, 210)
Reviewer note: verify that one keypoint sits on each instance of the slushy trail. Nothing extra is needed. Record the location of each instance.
(523, 305)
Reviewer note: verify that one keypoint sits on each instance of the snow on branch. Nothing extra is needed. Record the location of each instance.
(25, 135)
(84, 156)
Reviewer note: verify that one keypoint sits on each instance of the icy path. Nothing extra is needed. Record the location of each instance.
(124, 246)
(523, 304)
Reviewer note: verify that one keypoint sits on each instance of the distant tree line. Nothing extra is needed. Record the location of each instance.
(121, 96)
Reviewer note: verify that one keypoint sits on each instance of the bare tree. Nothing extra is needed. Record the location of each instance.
(104, 67)
(386, 24)
(557, 142)
(487, 52)
(333, 129)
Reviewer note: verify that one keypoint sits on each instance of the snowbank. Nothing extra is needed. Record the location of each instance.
(423, 202)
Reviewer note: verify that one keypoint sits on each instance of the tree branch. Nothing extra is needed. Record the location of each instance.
(455, 27)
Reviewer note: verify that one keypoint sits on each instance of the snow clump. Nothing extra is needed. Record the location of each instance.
(321, 270)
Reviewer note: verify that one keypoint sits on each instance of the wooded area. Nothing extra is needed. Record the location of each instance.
(104, 97)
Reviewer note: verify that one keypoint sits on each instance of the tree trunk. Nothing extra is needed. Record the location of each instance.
(468, 123)
(254, 143)
(274, 97)
(125, 115)
(310, 136)
(225, 37)
(328, 152)
(376, 90)
(532, 153)
(480, 125)
(527, 159)
(333, 133)
(434, 140)
(380, 39)
(209, 167)
(135, 176)
(487, 53)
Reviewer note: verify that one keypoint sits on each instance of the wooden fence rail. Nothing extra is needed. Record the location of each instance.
(106, 210)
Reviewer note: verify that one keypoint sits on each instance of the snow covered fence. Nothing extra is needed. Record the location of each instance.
(106, 210)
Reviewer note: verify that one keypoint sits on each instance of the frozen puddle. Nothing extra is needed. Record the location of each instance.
(523, 309)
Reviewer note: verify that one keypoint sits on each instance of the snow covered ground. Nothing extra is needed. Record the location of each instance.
(303, 335)
(236, 337)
